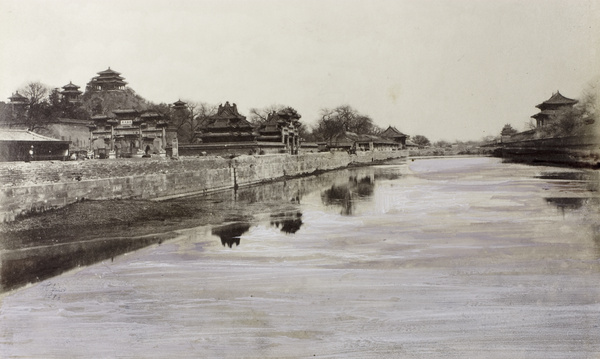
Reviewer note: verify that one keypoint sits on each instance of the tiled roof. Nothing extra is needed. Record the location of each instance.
(70, 86)
(24, 135)
(392, 132)
(557, 99)
(109, 72)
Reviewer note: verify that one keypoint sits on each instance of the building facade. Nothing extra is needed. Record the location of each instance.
(129, 133)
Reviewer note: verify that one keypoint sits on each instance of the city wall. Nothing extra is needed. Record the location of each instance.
(39, 186)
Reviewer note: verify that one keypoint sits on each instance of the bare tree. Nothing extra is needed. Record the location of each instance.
(189, 120)
(343, 118)
(38, 112)
(258, 116)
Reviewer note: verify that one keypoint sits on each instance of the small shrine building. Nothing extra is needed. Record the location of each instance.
(71, 93)
(395, 135)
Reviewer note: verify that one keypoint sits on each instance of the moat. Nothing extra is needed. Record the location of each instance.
(437, 258)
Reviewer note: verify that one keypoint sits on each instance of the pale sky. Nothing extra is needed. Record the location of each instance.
(446, 69)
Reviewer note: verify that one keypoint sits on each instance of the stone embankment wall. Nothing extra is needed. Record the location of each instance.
(581, 151)
(39, 186)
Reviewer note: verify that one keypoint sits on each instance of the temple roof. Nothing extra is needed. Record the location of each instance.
(228, 111)
(25, 135)
(392, 132)
(109, 72)
(17, 97)
(70, 86)
(557, 99)
(179, 103)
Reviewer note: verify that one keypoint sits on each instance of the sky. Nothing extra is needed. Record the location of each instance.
(446, 69)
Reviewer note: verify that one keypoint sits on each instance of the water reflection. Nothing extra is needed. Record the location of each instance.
(346, 194)
(230, 233)
(290, 222)
(277, 203)
(591, 178)
(30, 265)
(566, 203)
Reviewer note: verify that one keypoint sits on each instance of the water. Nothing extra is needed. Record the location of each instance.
(437, 258)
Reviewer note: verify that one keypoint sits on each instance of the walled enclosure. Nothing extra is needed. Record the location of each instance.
(39, 186)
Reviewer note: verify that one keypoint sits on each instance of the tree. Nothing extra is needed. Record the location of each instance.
(508, 130)
(421, 141)
(188, 120)
(258, 116)
(442, 144)
(343, 118)
(38, 112)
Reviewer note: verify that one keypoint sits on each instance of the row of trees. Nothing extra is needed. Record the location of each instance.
(44, 105)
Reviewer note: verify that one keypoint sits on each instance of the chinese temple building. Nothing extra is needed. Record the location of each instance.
(395, 135)
(549, 108)
(18, 106)
(352, 142)
(282, 127)
(129, 133)
(107, 80)
(227, 125)
(71, 93)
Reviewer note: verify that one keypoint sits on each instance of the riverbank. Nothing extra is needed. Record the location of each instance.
(39, 186)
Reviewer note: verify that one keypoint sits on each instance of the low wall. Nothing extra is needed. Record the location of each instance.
(39, 186)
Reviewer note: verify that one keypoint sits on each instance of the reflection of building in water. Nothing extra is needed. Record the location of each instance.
(345, 194)
(230, 233)
(290, 222)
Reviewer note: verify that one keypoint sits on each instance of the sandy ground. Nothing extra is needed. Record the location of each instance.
(457, 258)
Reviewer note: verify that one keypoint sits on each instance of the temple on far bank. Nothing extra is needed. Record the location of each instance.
(130, 133)
(107, 80)
(549, 108)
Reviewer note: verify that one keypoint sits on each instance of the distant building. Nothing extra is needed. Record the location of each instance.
(352, 142)
(549, 108)
(227, 125)
(23, 145)
(18, 107)
(129, 133)
(395, 135)
(107, 80)
(71, 93)
(282, 127)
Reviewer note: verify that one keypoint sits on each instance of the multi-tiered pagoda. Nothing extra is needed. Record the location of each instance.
(71, 92)
(107, 80)
(549, 108)
(228, 125)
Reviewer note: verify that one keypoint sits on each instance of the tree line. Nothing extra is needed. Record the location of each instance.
(46, 105)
